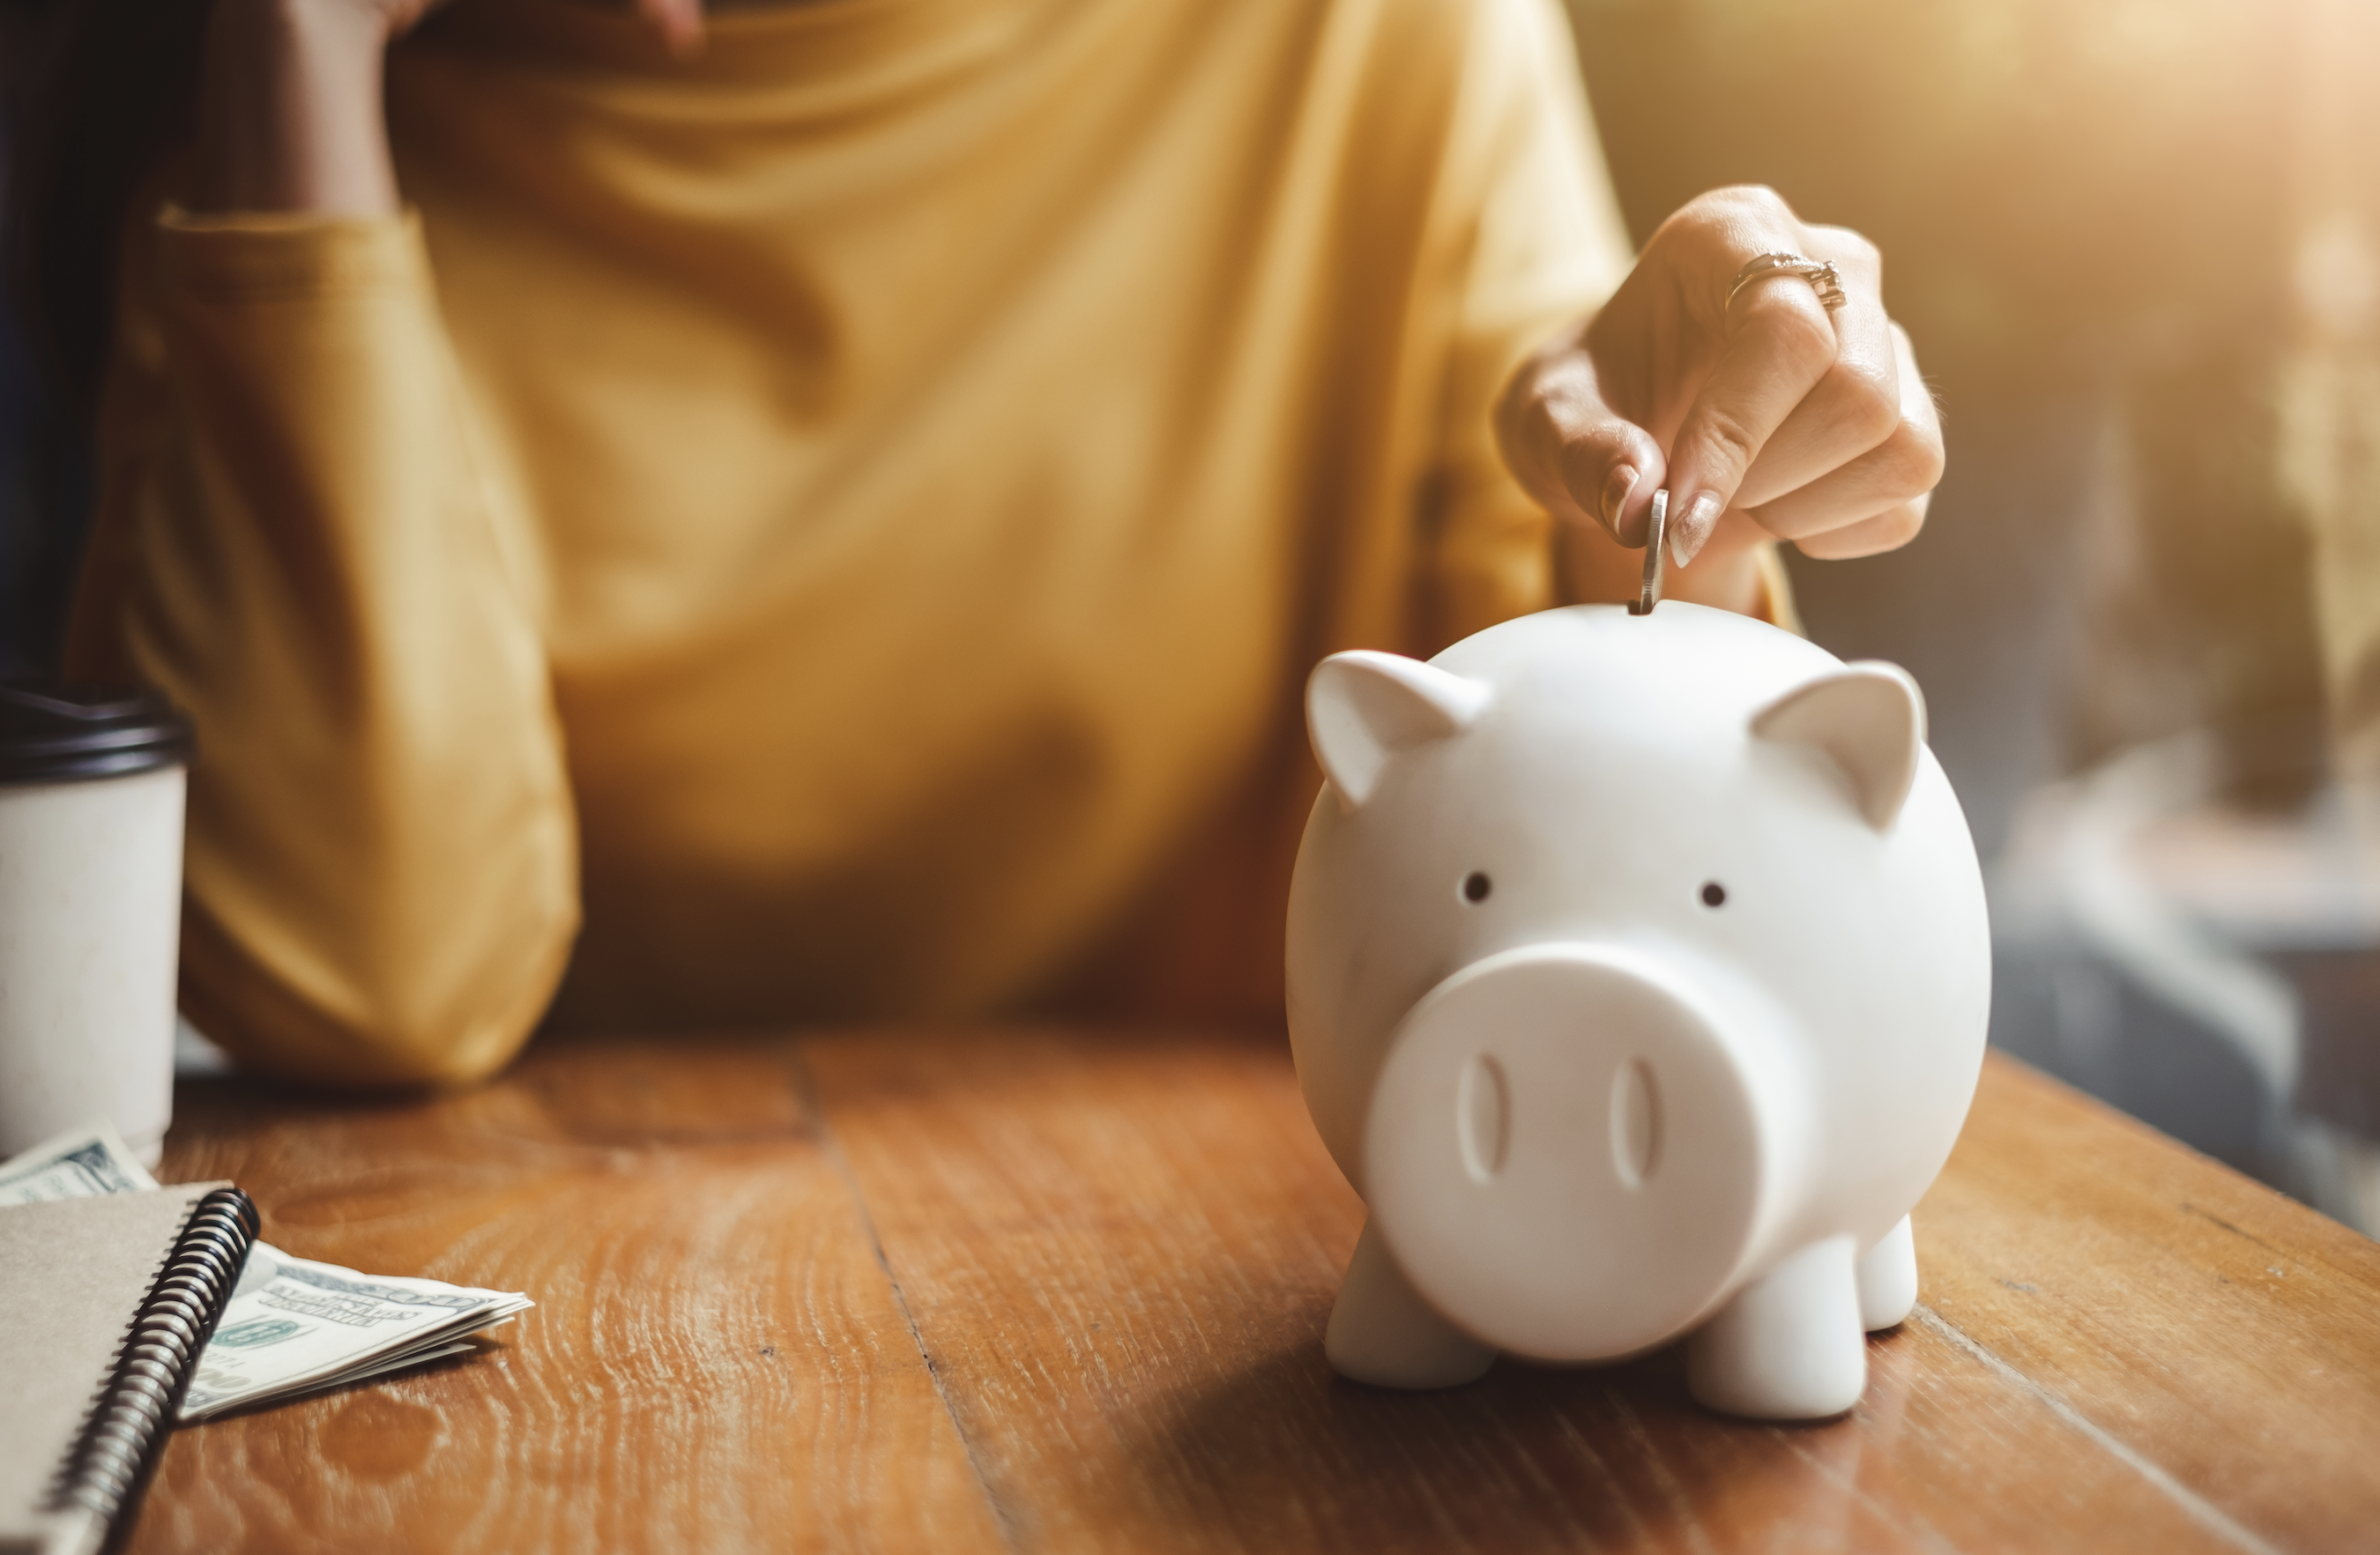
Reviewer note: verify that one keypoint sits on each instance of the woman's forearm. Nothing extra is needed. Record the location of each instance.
(299, 547)
(381, 871)
(289, 113)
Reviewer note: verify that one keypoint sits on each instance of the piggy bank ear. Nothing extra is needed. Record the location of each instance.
(1868, 719)
(1362, 708)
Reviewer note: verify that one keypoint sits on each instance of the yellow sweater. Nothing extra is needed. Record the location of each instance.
(854, 510)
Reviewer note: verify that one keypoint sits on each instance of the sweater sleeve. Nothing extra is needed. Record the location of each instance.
(297, 542)
(1545, 246)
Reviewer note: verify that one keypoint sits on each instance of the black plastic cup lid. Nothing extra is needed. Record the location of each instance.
(51, 732)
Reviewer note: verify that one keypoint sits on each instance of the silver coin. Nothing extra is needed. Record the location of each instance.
(1656, 538)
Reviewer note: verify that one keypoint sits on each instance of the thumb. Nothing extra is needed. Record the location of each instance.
(1583, 462)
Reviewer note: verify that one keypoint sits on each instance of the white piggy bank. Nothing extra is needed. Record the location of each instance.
(1638, 976)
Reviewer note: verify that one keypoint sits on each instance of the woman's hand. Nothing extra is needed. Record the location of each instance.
(1769, 415)
(289, 104)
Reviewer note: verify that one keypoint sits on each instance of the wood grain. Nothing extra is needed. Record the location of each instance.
(2227, 1333)
(1117, 1254)
(716, 1360)
(1120, 1259)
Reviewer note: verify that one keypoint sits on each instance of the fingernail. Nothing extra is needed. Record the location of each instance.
(1616, 487)
(1691, 528)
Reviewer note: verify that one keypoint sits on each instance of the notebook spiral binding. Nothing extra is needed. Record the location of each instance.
(128, 1420)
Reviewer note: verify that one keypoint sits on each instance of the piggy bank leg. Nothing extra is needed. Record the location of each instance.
(1383, 1333)
(1888, 1279)
(1790, 1347)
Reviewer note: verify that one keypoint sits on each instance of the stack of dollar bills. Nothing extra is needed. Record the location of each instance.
(293, 1326)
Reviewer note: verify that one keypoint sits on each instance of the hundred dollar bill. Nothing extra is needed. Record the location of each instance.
(293, 1326)
(80, 1163)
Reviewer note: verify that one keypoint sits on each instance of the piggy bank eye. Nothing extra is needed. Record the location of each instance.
(1714, 894)
(1475, 887)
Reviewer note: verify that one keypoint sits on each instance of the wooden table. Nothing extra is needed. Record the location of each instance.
(1047, 1290)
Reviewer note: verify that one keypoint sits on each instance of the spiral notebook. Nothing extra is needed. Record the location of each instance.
(104, 1306)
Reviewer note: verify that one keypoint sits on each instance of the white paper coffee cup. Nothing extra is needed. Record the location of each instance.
(92, 782)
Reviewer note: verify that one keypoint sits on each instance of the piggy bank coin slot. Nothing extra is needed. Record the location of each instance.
(1657, 535)
(1475, 886)
(1635, 1123)
(1483, 1117)
(1714, 894)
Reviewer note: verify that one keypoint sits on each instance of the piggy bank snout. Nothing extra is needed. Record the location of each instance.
(1566, 1152)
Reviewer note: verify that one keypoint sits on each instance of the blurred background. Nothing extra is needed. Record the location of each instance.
(2135, 242)
(2132, 240)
